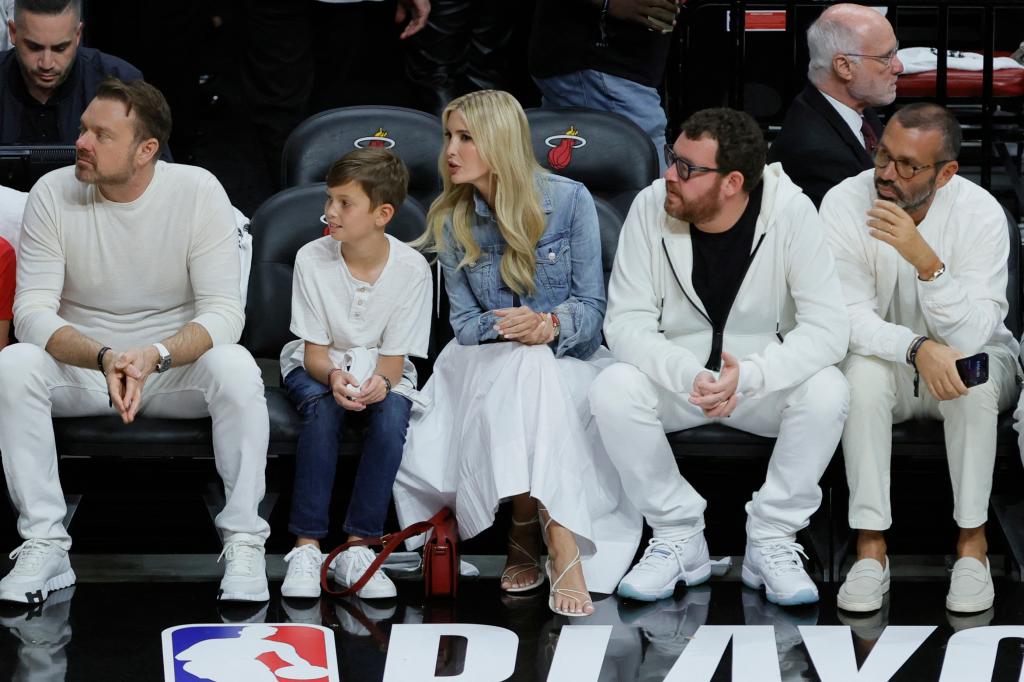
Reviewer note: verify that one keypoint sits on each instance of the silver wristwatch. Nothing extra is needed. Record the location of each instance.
(165, 358)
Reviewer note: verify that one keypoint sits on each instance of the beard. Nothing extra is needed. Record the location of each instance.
(697, 211)
(92, 175)
(908, 202)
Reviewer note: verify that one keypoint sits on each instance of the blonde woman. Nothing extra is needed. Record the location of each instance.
(520, 253)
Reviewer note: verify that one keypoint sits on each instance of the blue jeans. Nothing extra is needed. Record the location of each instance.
(598, 90)
(323, 422)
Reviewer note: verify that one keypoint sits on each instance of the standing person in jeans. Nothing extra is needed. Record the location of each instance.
(604, 54)
(520, 251)
(360, 306)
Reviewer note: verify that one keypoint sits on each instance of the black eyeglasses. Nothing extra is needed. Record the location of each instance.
(884, 58)
(904, 169)
(683, 167)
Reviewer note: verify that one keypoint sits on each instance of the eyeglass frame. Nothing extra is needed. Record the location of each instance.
(673, 159)
(884, 58)
(896, 164)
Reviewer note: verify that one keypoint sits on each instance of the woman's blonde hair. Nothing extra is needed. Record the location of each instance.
(501, 133)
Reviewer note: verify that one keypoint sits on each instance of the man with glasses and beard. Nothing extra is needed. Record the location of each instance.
(723, 307)
(831, 129)
(921, 254)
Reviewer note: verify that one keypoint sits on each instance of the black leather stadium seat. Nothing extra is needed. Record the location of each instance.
(414, 136)
(610, 223)
(607, 152)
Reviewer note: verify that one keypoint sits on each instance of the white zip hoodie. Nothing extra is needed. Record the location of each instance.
(788, 320)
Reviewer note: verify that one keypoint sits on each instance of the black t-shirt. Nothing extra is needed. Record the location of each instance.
(720, 260)
(566, 36)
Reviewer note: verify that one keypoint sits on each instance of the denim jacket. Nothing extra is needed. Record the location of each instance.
(569, 278)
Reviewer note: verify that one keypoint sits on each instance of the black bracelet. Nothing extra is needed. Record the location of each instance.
(387, 383)
(914, 348)
(912, 359)
(99, 359)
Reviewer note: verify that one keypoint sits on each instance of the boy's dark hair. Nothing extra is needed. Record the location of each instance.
(381, 174)
(741, 145)
(49, 7)
(152, 115)
(929, 116)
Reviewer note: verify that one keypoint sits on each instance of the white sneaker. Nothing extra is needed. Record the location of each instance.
(42, 567)
(970, 588)
(352, 564)
(664, 564)
(779, 569)
(245, 571)
(302, 578)
(865, 586)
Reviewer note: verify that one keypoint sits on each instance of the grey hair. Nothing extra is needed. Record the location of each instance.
(826, 38)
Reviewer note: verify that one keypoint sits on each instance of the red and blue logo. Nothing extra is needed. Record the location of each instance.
(280, 652)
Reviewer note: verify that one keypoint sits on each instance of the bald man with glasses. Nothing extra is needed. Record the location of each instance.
(831, 129)
(922, 257)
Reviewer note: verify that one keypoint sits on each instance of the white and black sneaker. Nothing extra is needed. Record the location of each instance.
(245, 569)
(41, 568)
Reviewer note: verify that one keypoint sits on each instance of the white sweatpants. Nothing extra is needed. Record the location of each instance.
(633, 414)
(882, 394)
(224, 383)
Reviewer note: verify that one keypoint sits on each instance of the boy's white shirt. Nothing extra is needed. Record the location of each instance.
(360, 321)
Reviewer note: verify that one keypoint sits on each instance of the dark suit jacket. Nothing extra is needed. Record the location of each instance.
(816, 146)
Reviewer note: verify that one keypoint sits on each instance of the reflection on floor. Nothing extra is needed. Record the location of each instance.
(112, 631)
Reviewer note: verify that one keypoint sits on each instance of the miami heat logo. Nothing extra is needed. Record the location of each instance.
(561, 147)
(378, 139)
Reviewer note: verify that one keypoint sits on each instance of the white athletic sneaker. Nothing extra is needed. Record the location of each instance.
(302, 578)
(970, 588)
(245, 571)
(41, 568)
(865, 586)
(350, 565)
(664, 564)
(779, 569)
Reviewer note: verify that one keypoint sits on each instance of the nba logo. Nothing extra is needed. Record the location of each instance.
(280, 652)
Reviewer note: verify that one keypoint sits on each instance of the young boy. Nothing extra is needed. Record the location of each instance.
(6, 291)
(360, 306)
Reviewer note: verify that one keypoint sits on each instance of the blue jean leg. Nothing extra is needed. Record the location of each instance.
(316, 455)
(598, 90)
(378, 465)
(316, 458)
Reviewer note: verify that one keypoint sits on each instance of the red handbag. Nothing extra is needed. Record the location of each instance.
(440, 556)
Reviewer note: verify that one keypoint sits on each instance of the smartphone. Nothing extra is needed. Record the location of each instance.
(973, 370)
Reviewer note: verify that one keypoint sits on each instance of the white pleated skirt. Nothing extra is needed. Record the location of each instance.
(506, 419)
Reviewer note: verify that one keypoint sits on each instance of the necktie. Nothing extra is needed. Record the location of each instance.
(870, 139)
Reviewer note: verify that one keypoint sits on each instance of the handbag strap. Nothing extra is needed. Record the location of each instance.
(390, 544)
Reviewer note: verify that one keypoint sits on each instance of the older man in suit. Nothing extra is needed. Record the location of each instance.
(831, 131)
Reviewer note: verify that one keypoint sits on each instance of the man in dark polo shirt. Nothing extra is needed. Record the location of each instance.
(46, 79)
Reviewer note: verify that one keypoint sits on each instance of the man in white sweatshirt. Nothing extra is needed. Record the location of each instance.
(128, 303)
(723, 307)
(921, 254)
